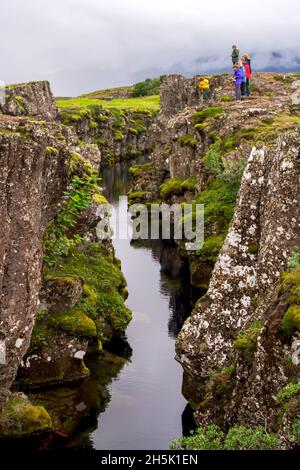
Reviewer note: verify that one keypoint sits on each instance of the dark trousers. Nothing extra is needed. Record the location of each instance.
(206, 94)
(243, 89)
(238, 92)
(248, 87)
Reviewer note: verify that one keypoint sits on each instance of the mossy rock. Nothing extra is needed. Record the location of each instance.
(177, 186)
(75, 323)
(222, 383)
(209, 113)
(253, 248)
(291, 319)
(135, 197)
(138, 170)
(19, 418)
(102, 300)
(52, 151)
(100, 199)
(291, 284)
(246, 342)
(188, 140)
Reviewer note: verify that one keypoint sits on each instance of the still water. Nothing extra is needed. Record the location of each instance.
(146, 405)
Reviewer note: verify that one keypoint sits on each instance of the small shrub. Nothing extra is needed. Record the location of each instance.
(238, 438)
(204, 438)
(296, 429)
(242, 438)
(289, 391)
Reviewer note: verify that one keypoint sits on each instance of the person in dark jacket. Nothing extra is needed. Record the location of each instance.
(238, 80)
(247, 64)
(235, 55)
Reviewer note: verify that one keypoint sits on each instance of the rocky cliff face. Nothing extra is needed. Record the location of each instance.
(53, 303)
(31, 99)
(119, 135)
(242, 161)
(264, 232)
(32, 184)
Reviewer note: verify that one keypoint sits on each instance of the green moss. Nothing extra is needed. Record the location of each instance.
(212, 113)
(78, 161)
(118, 135)
(189, 184)
(93, 125)
(133, 131)
(42, 333)
(137, 170)
(291, 319)
(20, 418)
(19, 102)
(226, 98)
(100, 199)
(102, 299)
(211, 248)
(90, 293)
(136, 196)
(177, 186)
(290, 283)
(289, 391)
(52, 150)
(188, 140)
(253, 248)
(76, 323)
(246, 342)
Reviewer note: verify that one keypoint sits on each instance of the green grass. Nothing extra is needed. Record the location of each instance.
(149, 104)
(107, 93)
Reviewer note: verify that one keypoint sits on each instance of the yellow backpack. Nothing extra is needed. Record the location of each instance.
(204, 84)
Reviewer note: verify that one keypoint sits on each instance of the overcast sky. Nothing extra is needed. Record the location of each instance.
(84, 45)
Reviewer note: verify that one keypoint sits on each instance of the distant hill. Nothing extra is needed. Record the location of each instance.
(148, 87)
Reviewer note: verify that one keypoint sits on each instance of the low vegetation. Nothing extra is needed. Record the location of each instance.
(19, 418)
(237, 438)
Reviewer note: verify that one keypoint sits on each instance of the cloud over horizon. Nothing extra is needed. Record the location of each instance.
(83, 45)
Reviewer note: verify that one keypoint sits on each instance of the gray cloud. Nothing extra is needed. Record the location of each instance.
(82, 45)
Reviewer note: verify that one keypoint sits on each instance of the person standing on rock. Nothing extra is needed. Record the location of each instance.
(204, 87)
(247, 64)
(238, 80)
(235, 55)
(244, 79)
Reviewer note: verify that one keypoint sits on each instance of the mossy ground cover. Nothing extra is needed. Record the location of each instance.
(20, 418)
(177, 186)
(290, 287)
(149, 104)
(102, 299)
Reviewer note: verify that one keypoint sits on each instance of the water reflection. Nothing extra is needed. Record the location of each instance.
(145, 411)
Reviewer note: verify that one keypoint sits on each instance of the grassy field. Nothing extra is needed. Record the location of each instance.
(108, 93)
(143, 104)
